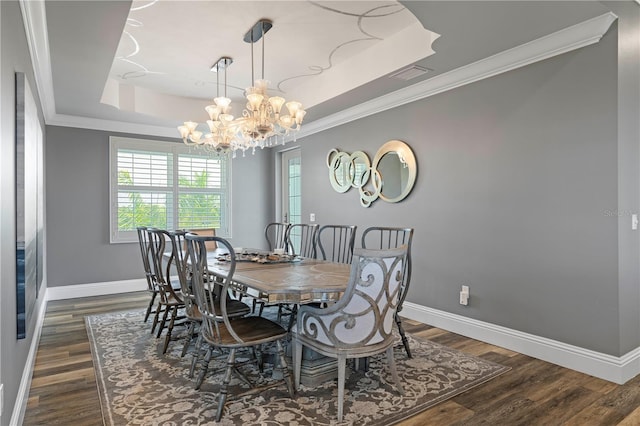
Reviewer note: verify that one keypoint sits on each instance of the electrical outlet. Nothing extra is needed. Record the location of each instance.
(1, 399)
(464, 295)
(312, 217)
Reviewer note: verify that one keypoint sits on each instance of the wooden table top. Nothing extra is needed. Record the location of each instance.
(304, 281)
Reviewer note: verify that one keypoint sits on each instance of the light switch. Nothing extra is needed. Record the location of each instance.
(634, 221)
(312, 217)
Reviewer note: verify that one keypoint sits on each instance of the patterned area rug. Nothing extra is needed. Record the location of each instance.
(140, 386)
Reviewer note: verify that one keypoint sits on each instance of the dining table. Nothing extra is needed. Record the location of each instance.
(283, 278)
(276, 279)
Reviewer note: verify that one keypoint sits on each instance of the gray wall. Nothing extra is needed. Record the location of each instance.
(628, 170)
(516, 176)
(13, 353)
(78, 246)
(525, 184)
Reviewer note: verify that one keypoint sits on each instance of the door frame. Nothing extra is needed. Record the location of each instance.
(285, 156)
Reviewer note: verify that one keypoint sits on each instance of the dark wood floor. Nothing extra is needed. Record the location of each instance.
(63, 390)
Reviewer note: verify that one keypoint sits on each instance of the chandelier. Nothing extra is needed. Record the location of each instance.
(262, 120)
(222, 136)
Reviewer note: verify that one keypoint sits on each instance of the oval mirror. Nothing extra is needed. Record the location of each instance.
(396, 164)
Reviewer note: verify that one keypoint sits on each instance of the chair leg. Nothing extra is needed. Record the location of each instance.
(164, 321)
(156, 317)
(405, 341)
(297, 363)
(286, 374)
(150, 307)
(205, 367)
(222, 399)
(187, 342)
(394, 371)
(167, 339)
(342, 361)
(257, 354)
(196, 355)
(293, 316)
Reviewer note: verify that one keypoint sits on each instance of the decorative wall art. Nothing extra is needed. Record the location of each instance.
(390, 176)
(29, 204)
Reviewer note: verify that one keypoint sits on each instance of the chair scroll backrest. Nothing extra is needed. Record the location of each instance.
(145, 252)
(301, 239)
(377, 237)
(335, 243)
(162, 276)
(275, 233)
(211, 290)
(363, 317)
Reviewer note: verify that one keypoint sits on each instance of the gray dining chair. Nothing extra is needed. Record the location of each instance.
(145, 252)
(300, 239)
(229, 336)
(275, 234)
(335, 243)
(171, 300)
(360, 324)
(235, 308)
(380, 237)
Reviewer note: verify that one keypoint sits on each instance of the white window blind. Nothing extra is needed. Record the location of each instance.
(166, 185)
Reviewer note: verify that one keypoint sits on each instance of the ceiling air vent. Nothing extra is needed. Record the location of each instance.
(409, 72)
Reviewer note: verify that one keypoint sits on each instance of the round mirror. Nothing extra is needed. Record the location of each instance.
(396, 164)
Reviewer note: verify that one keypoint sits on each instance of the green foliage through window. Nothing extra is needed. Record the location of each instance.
(169, 188)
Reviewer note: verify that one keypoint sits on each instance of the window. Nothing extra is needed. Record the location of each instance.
(166, 185)
(291, 190)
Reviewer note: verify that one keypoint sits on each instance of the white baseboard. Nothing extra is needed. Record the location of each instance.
(20, 406)
(95, 289)
(58, 293)
(614, 369)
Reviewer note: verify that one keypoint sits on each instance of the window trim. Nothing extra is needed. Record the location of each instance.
(119, 142)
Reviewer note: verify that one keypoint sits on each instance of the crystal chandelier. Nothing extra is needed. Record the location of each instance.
(262, 118)
(223, 129)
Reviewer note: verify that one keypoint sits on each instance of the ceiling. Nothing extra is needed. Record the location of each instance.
(144, 66)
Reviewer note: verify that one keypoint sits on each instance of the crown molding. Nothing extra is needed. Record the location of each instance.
(563, 41)
(111, 126)
(34, 18)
